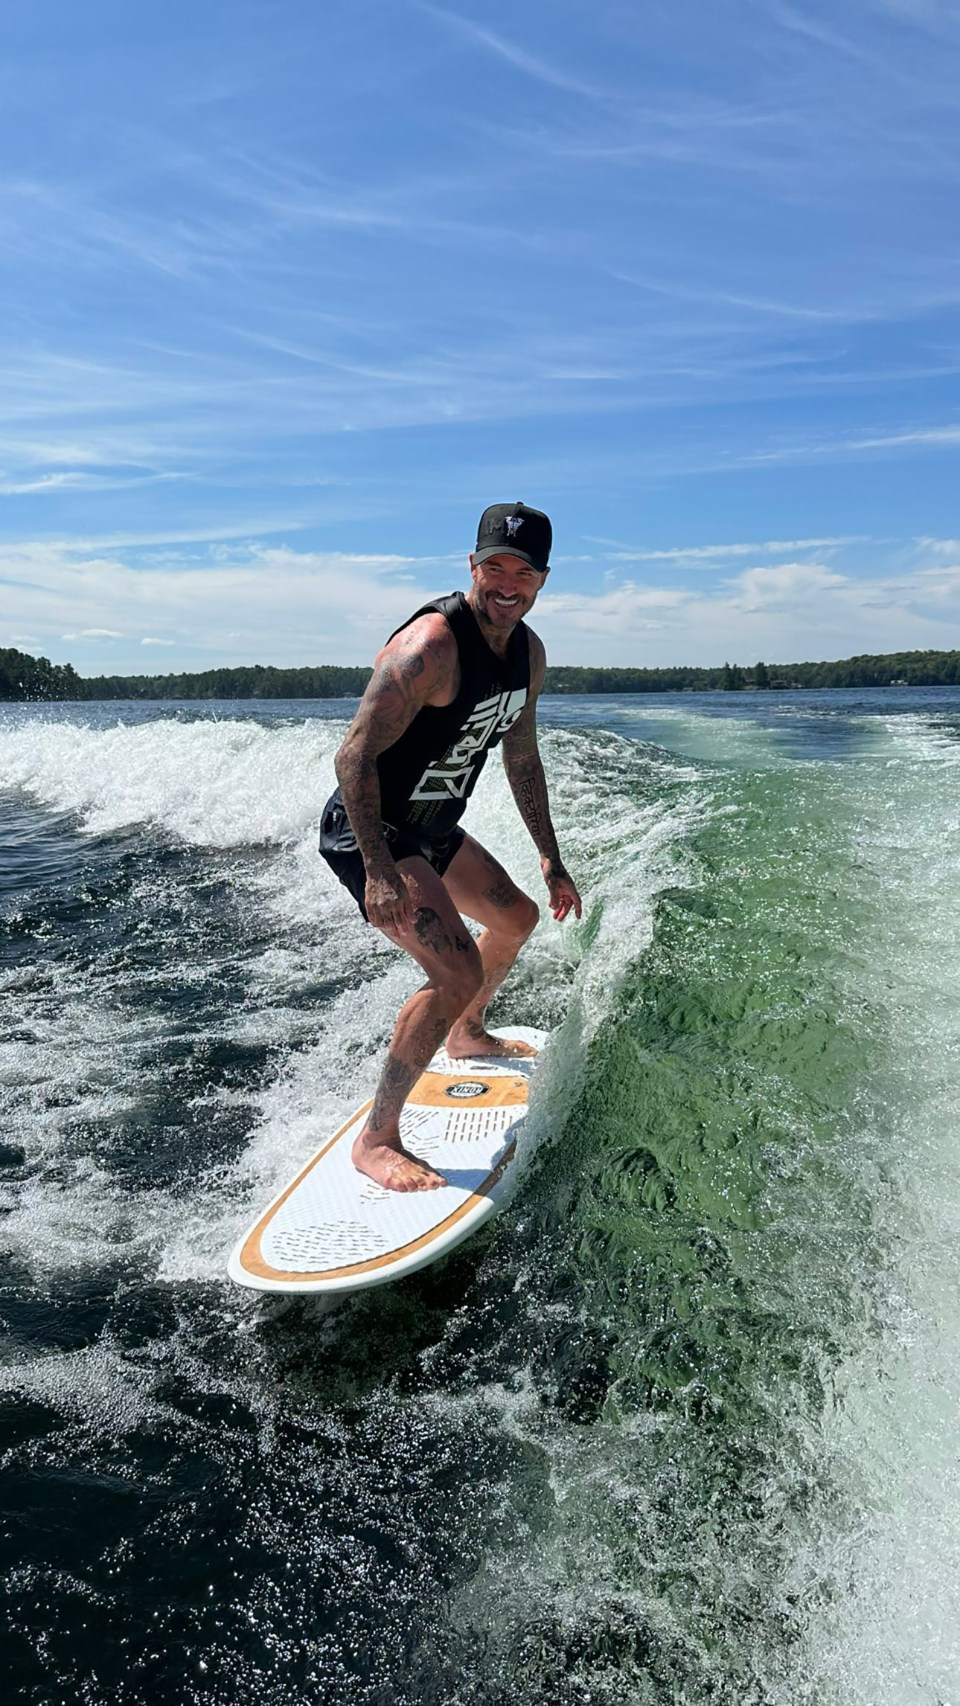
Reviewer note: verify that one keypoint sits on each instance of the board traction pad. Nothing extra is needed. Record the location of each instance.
(334, 1230)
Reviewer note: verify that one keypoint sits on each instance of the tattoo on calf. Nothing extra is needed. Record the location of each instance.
(399, 1076)
(395, 1081)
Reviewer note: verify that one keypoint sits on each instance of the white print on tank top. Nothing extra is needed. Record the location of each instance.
(451, 777)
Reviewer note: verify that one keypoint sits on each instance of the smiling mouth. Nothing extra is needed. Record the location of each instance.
(505, 603)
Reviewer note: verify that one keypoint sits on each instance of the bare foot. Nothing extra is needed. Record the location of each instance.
(478, 1043)
(393, 1166)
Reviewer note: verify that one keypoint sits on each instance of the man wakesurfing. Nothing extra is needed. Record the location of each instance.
(462, 675)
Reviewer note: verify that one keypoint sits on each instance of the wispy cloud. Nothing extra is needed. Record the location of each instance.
(807, 25)
(675, 290)
(532, 65)
(921, 435)
(95, 634)
(939, 17)
(944, 437)
(70, 482)
(708, 554)
(942, 547)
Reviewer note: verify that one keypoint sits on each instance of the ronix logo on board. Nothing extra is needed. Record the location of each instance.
(466, 1090)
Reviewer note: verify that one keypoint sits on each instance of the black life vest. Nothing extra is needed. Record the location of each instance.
(428, 775)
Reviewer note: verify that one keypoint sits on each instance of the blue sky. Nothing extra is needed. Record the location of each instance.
(291, 291)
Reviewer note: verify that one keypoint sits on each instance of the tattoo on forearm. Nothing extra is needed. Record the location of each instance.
(520, 743)
(360, 789)
(529, 787)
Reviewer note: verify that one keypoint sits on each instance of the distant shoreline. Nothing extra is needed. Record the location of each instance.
(28, 679)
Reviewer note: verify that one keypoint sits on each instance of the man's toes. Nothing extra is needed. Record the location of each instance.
(416, 1177)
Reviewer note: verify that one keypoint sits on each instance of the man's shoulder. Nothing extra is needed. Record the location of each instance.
(538, 654)
(425, 648)
(429, 629)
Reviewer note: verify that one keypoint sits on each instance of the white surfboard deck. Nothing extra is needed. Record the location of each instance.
(334, 1230)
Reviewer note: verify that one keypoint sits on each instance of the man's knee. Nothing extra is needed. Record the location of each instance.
(529, 915)
(519, 920)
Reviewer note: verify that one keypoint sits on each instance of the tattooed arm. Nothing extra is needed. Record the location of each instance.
(524, 768)
(418, 667)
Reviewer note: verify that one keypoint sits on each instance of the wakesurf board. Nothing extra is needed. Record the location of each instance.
(333, 1230)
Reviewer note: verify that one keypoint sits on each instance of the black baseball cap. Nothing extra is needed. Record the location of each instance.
(515, 530)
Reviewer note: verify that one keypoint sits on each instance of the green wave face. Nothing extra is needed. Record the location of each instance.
(699, 1253)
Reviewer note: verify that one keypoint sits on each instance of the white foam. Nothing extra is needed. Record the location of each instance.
(235, 784)
(893, 1638)
(209, 783)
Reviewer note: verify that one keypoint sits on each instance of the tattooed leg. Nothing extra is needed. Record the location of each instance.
(440, 942)
(481, 888)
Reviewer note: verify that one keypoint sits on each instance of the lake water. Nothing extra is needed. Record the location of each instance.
(682, 1425)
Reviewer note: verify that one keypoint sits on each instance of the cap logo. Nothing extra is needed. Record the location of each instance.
(513, 524)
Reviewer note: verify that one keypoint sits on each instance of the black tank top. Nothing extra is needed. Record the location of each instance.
(428, 775)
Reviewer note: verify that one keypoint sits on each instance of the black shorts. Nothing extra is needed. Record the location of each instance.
(338, 845)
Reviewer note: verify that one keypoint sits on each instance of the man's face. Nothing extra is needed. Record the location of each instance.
(505, 588)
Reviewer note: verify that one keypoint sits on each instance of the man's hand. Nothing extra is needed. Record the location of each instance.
(387, 902)
(563, 890)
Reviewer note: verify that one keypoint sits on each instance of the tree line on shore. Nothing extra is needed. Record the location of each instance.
(23, 677)
(26, 677)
